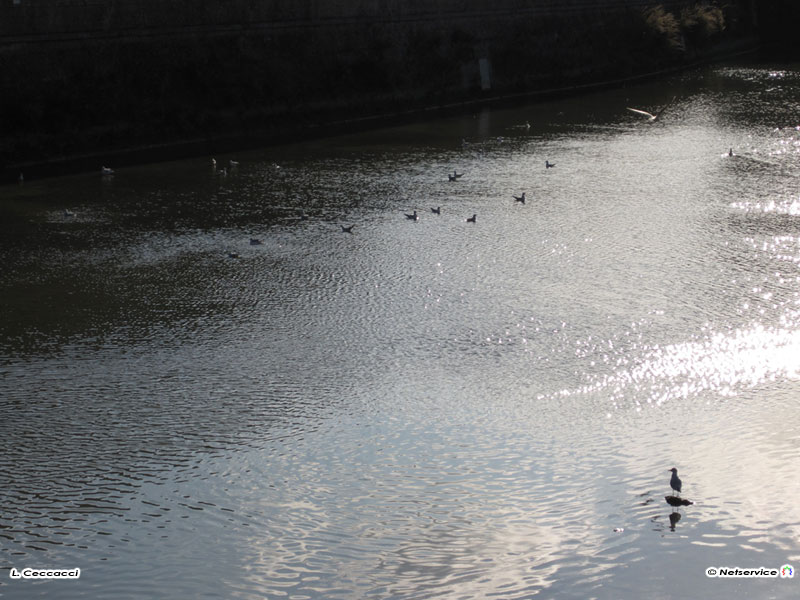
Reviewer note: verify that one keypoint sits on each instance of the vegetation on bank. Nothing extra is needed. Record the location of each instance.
(692, 30)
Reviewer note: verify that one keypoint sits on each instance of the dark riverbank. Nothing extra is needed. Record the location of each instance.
(125, 91)
(292, 131)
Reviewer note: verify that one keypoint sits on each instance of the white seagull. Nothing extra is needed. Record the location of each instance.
(650, 116)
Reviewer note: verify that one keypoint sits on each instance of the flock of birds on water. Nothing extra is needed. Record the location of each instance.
(455, 176)
(414, 216)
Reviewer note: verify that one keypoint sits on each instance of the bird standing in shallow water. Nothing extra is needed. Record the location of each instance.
(472, 219)
(413, 216)
(675, 482)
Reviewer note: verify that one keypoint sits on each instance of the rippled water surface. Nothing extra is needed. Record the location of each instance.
(417, 409)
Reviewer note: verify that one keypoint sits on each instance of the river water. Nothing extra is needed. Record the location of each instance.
(417, 409)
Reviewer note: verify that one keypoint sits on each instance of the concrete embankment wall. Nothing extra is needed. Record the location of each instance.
(89, 76)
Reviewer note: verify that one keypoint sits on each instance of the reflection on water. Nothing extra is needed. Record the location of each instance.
(429, 408)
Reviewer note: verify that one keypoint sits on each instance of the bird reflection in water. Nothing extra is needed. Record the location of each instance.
(674, 517)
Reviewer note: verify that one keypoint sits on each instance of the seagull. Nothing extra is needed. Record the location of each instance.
(437, 210)
(471, 219)
(68, 213)
(412, 217)
(347, 229)
(650, 116)
(456, 174)
(675, 482)
(730, 153)
(106, 171)
(452, 177)
(233, 163)
(213, 162)
(520, 198)
(548, 164)
(255, 242)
